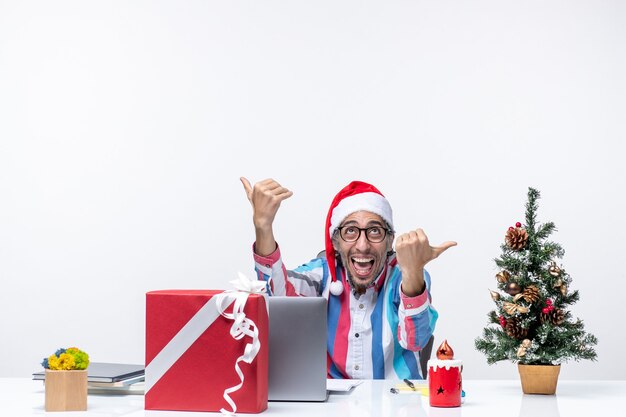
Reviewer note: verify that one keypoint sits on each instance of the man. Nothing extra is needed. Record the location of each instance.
(379, 311)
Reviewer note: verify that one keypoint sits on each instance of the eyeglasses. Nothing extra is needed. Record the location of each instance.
(374, 234)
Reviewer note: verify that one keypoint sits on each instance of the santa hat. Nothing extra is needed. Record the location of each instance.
(356, 196)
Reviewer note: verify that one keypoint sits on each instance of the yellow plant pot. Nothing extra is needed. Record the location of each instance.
(539, 379)
(66, 390)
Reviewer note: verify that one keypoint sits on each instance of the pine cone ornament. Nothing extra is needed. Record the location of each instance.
(531, 294)
(516, 238)
(514, 330)
(558, 317)
(555, 317)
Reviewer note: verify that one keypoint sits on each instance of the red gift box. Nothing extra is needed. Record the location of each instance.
(191, 355)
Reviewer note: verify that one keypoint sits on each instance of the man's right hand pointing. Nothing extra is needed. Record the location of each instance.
(265, 197)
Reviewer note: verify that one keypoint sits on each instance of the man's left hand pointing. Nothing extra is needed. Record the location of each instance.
(413, 252)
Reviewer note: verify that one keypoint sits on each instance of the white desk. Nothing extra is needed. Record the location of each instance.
(24, 397)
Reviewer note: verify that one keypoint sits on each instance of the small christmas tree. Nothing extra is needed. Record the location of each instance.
(532, 323)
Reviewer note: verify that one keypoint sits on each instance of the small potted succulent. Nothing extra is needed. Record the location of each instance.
(66, 380)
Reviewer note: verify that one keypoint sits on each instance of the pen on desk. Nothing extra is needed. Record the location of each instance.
(409, 383)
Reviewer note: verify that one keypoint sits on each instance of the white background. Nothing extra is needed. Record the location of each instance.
(125, 125)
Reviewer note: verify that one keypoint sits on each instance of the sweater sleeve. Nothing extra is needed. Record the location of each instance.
(307, 280)
(416, 318)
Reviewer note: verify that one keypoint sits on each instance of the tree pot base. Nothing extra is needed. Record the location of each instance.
(539, 379)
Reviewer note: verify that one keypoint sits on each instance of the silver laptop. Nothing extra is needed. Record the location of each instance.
(297, 349)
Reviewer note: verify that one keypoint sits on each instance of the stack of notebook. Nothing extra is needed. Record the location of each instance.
(111, 378)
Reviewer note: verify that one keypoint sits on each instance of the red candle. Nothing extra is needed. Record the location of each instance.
(444, 378)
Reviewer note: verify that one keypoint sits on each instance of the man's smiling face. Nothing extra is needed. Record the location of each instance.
(363, 259)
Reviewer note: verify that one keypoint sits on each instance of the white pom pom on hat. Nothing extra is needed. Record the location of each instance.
(356, 196)
(336, 288)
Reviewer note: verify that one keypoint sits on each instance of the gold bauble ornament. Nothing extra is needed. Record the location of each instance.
(554, 270)
(503, 277)
(512, 288)
(526, 343)
(563, 290)
(494, 295)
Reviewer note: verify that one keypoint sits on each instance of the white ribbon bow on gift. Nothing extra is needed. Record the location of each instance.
(242, 326)
(245, 284)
